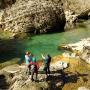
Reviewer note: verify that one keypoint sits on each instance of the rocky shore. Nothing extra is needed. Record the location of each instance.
(81, 49)
(14, 77)
(20, 80)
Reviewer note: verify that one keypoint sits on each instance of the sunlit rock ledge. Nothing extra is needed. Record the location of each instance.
(81, 49)
(20, 80)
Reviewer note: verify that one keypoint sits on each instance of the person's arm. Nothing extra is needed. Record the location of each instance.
(43, 56)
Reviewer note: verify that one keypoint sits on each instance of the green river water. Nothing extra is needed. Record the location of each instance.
(48, 43)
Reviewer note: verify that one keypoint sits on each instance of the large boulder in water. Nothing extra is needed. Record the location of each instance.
(35, 16)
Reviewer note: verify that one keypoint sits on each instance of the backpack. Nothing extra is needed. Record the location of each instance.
(34, 66)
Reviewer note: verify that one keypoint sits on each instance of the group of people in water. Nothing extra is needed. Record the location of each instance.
(33, 66)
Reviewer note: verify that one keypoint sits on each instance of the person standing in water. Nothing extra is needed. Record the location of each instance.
(47, 61)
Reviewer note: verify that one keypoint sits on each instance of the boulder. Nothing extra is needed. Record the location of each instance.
(34, 16)
(71, 19)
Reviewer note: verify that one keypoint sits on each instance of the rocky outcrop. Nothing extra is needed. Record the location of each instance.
(74, 10)
(77, 6)
(35, 16)
(41, 16)
(6, 3)
(71, 19)
(81, 49)
(17, 77)
(86, 54)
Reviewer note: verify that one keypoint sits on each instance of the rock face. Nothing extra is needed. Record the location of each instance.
(41, 16)
(86, 54)
(35, 16)
(74, 10)
(81, 48)
(6, 3)
(77, 6)
(71, 19)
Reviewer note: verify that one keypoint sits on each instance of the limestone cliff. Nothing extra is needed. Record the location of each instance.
(77, 6)
(74, 10)
(35, 16)
(41, 16)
